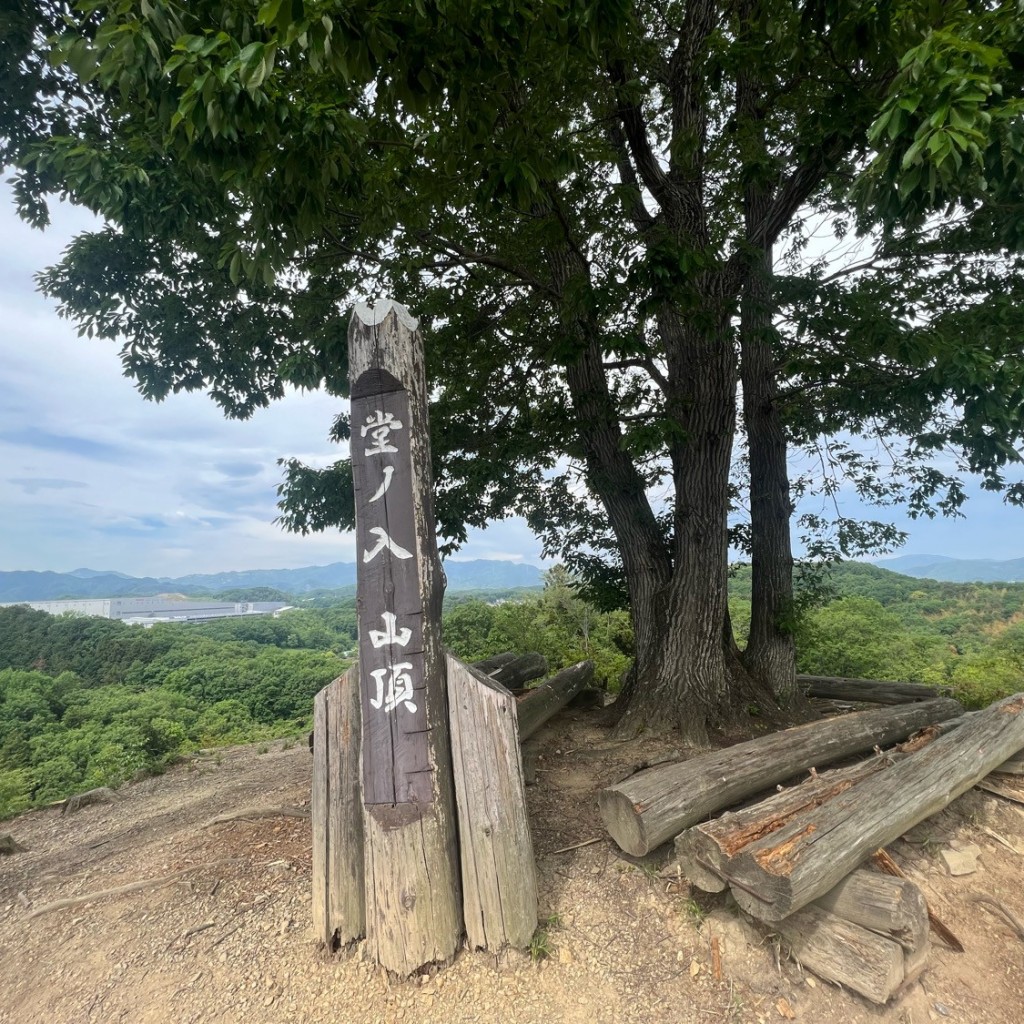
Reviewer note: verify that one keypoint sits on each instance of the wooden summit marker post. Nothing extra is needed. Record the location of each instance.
(413, 906)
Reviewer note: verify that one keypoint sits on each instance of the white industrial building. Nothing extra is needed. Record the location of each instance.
(145, 611)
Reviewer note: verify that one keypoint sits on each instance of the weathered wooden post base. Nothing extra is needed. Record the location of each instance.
(499, 879)
(339, 909)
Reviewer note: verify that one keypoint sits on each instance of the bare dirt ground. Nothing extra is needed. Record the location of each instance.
(221, 932)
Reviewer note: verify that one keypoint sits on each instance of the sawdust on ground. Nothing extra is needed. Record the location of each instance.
(222, 933)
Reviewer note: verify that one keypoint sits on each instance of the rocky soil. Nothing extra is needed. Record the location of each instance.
(218, 926)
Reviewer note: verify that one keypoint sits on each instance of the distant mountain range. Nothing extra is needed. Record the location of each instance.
(956, 570)
(480, 574)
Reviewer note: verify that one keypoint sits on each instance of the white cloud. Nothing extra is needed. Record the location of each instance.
(93, 475)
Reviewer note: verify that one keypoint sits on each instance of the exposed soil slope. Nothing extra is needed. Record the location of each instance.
(226, 937)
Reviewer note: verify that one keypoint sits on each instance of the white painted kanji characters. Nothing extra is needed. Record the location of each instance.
(379, 426)
(385, 484)
(399, 688)
(383, 541)
(389, 635)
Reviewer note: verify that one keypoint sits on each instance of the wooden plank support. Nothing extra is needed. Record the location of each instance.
(339, 914)
(776, 876)
(412, 885)
(645, 810)
(843, 952)
(499, 879)
(874, 691)
(345, 813)
(546, 700)
(319, 804)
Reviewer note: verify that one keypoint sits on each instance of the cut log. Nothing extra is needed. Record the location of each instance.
(514, 675)
(873, 691)
(493, 663)
(1009, 787)
(645, 810)
(893, 907)
(703, 850)
(413, 902)
(544, 701)
(782, 873)
(1013, 765)
(845, 953)
(499, 879)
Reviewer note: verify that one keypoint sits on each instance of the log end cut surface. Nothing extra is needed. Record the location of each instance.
(623, 821)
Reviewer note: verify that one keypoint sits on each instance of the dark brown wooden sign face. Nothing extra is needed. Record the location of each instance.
(396, 766)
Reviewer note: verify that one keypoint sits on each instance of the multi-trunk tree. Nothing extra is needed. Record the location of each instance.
(582, 199)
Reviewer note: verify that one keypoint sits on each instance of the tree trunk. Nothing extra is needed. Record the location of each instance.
(770, 655)
(683, 680)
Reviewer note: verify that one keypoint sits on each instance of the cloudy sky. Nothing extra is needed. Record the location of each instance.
(91, 475)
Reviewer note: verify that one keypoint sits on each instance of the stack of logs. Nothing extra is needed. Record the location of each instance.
(797, 860)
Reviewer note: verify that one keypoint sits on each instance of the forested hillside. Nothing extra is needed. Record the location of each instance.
(90, 702)
(87, 702)
(859, 620)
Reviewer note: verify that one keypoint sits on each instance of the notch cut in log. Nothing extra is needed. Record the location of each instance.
(1013, 765)
(872, 691)
(845, 953)
(802, 861)
(515, 674)
(494, 662)
(645, 810)
(544, 701)
(499, 880)
(412, 887)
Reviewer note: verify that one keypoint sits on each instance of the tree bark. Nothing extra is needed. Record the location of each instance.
(683, 679)
(770, 655)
